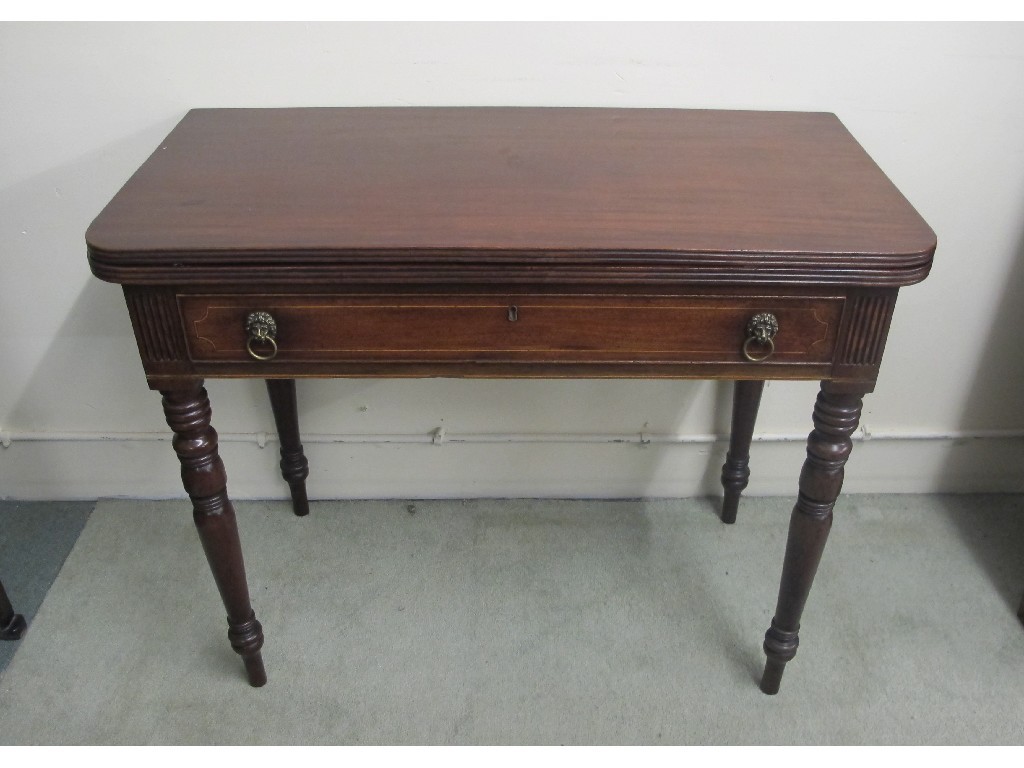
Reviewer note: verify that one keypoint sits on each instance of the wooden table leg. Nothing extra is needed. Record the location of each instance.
(202, 473)
(12, 625)
(294, 467)
(746, 398)
(836, 415)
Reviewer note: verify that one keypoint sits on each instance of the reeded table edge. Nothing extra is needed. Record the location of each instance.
(487, 266)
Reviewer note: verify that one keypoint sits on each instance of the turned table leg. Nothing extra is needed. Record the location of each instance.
(836, 415)
(746, 398)
(202, 473)
(294, 467)
(12, 624)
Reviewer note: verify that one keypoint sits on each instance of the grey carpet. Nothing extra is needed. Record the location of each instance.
(532, 622)
(35, 538)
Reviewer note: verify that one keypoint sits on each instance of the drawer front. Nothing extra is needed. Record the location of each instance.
(538, 328)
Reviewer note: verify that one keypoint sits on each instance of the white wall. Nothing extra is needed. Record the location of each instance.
(939, 106)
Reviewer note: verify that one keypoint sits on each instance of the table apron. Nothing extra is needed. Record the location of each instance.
(185, 335)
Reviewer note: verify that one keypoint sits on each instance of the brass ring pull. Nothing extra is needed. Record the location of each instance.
(761, 332)
(256, 355)
(757, 358)
(262, 328)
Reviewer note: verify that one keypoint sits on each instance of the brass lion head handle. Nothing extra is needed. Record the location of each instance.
(262, 328)
(760, 343)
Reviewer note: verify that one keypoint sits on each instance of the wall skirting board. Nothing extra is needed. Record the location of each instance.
(447, 465)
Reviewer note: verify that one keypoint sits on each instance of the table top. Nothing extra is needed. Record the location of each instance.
(510, 194)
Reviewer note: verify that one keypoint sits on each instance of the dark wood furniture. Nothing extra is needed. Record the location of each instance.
(503, 242)
(12, 625)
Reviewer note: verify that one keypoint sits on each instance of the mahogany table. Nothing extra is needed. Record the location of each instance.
(511, 242)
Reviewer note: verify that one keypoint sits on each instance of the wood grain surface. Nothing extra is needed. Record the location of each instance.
(521, 194)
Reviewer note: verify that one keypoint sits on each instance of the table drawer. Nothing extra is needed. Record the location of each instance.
(514, 328)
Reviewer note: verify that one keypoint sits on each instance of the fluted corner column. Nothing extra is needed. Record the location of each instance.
(836, 416)
(202, 473)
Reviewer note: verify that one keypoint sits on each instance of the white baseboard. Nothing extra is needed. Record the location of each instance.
(89, 466)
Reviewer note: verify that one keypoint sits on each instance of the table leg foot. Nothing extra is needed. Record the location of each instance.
(780, 646)
(294, 466)
(12, 625)
(247, 640)
(746, 400)
(14, 628)
(836, 415)
(771, 680)
(202, 473)
(254, 670)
